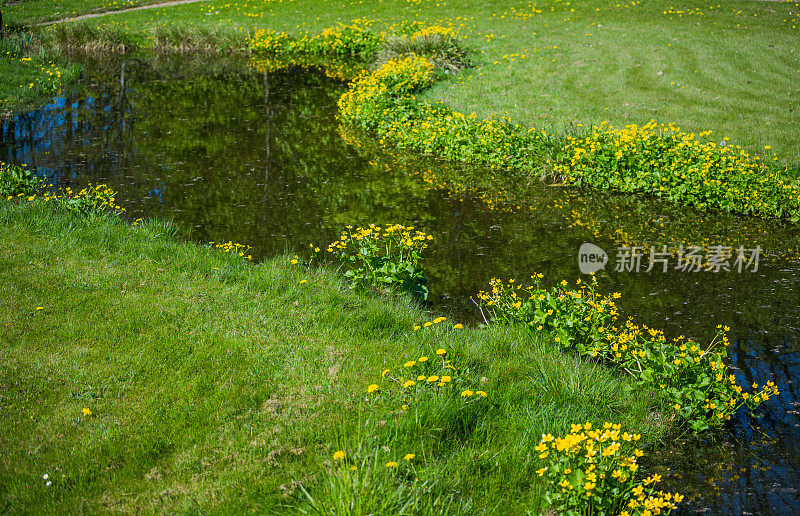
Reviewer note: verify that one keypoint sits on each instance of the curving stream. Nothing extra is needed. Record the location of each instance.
(231, 152)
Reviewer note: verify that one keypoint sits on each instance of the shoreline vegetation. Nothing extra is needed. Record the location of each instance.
(125, 347)
(658, 160)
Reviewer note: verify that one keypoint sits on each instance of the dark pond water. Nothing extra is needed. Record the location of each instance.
(232, 152)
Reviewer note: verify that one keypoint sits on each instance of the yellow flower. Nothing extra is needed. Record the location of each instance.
(427, 324)
(440, 351)
(458, 326)
(423, 359)
(302, 282)
(409, 456)
(372, 388)
(384, 373)
(339, 455)
(439, 319)
(409, 383)
(481, 394)
(410, 363)
(541, 471)
(433, 378)
(467, 393)
(353, 468)
(87, 412)
(417, 327)
(391, 464)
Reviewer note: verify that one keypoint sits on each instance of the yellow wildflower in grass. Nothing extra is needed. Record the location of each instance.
(86, 411)
(409, 456)
(339, 455)
(440, 351)
(372, 388)
(466, 393)
(391, 464)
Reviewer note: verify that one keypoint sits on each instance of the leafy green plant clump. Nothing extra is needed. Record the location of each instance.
(593, 471)
(89, 201)
(437, 43)
(17, 181)
(693, 380)
(342, 39)
(384, 258)
(666, 162)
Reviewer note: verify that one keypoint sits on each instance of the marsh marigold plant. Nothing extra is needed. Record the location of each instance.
(691, 379)
(384, 257)
(592, 471)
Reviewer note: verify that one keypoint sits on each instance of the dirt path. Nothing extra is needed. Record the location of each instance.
(139, 8)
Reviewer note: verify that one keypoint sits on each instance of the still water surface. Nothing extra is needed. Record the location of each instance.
(234, 153)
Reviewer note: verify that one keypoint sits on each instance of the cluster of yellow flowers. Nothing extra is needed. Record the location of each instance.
(340, 456)
(404, 236)
(234, 248)
(341, 39)
(437, 320)
(664, 161)
(432, 30)
(384, 258)
(421, 375)
(91, 199)
(593, 471)
(574, 315)
(396, 76)
(693, 380)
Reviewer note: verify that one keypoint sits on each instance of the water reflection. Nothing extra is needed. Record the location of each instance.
(234, 153)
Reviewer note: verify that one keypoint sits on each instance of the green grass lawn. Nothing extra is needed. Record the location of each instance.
(29, 12)
(215, 385)
(733, 68)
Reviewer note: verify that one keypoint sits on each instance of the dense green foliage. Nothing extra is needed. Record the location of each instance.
(692, 379)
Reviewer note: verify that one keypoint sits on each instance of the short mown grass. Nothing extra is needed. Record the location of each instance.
(215, 385)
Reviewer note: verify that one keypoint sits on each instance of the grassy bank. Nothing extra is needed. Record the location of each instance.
(730, 69)
(144, 374)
